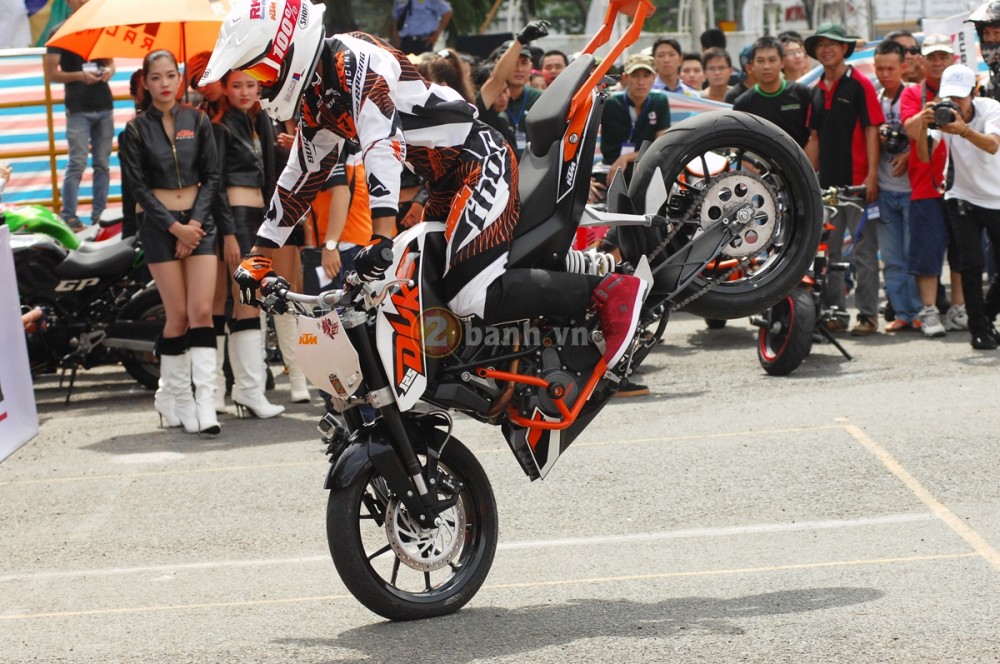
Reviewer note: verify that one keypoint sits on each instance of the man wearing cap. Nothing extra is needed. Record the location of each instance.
(973, 140)
(522, 95)
(417, 24)
(929, 229)
(631, 117)
(844, 123)
(747, 79)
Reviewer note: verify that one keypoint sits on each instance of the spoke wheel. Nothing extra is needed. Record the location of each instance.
(401, 570)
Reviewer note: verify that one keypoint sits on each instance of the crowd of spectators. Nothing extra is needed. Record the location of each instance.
(855, 131)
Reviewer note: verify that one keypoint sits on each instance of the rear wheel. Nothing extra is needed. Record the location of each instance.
(788, 337)
(756, 174)
(146, 307)
(400, 570)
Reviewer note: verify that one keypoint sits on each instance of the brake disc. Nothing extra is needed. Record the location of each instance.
(425, 549)
(750, 201)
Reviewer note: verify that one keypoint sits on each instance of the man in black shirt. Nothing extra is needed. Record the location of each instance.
(89, 123)
(773, 98)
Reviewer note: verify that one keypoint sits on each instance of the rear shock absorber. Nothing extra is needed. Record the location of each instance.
(591, 261)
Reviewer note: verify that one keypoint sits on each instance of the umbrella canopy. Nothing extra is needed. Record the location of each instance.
(131, 29)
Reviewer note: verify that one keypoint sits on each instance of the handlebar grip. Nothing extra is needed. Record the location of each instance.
(386, 254)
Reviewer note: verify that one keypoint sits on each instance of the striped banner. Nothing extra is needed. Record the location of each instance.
(26, 128)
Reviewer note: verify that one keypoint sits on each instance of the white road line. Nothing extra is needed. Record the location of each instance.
(508, 546)
(723, 532)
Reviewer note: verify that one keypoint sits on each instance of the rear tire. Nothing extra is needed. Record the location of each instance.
(147, 306)
(389, 582)
(778, 168)
(780, 351)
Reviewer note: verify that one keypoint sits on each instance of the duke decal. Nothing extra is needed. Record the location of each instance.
(409, 360)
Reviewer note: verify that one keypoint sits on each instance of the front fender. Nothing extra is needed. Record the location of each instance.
(352, 463)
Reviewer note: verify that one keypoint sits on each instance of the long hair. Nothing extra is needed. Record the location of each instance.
(147, 64)
(446, 69)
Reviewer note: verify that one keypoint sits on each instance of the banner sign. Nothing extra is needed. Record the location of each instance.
(18, 418)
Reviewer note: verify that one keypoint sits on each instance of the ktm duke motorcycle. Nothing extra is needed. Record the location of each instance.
(788, 330)
(97, 310)
(412, 522)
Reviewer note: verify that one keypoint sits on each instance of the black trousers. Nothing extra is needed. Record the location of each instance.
(968, 222)
(528, 293)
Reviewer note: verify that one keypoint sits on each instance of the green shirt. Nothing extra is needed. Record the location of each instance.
(619, 127)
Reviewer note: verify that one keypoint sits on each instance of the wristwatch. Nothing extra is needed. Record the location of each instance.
(331, 245)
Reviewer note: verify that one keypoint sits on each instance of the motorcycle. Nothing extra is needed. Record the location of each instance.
(412, 522)
(788, 330)
(96, 310)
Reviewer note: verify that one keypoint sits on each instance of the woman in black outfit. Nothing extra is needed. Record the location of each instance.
(171, 163)
(245, 141)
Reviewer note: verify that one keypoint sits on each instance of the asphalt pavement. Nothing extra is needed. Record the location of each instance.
(847, 513)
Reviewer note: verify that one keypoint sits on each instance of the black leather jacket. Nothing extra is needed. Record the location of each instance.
(246, 153)
(150, 160)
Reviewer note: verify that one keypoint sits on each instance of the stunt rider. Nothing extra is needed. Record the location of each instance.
(356, 88)
(986, 19)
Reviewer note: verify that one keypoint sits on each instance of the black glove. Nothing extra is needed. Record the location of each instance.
(532, 31)
(372, 261)
(248, 276)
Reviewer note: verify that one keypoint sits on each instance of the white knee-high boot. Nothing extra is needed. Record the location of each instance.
(203, 375)
(219, 322)
(248, 370)
(288, 340)
(174, 400)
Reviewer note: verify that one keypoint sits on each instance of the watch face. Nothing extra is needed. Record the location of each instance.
(331, 245)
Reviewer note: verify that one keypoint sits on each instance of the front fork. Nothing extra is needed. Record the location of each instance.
(396, 461)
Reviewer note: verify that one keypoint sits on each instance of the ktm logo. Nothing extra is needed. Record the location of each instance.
(184, 134)
(307, 339)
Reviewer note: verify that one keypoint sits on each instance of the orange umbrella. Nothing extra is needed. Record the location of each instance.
(133, 28)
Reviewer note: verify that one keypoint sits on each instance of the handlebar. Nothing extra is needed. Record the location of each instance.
(853, 193)
(330, 298)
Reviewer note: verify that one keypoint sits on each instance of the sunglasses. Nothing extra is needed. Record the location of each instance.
(912, 50)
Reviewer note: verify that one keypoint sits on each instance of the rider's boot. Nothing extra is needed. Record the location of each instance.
(203, 375)
(287, 331)
(248, 370)
(618, 300)
(219, 323)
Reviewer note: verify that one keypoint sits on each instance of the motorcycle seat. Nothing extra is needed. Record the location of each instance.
(104, 261)
(546, 122)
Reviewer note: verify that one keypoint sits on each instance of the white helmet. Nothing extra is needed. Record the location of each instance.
(278, 43)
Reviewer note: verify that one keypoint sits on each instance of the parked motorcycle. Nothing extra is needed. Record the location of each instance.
(95, 309)
(788, 330)
(412, 522)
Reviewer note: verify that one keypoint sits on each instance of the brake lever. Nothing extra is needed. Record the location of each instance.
(373, 300)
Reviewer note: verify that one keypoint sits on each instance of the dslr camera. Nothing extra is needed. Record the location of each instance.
(945, 112)
(896, 140)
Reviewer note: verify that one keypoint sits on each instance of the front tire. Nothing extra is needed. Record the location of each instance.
(775, 176)
(787, 340)
(403, 572)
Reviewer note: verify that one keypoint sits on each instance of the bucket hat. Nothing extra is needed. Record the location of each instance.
(833, 32)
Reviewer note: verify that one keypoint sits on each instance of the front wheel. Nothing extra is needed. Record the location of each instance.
(727, 165)
(787, 338)
(400, 570)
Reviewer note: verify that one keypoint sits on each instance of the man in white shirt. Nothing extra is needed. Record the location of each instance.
(973, 139)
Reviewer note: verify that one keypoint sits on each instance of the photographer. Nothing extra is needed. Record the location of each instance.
(971, 130)
(892, 227)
